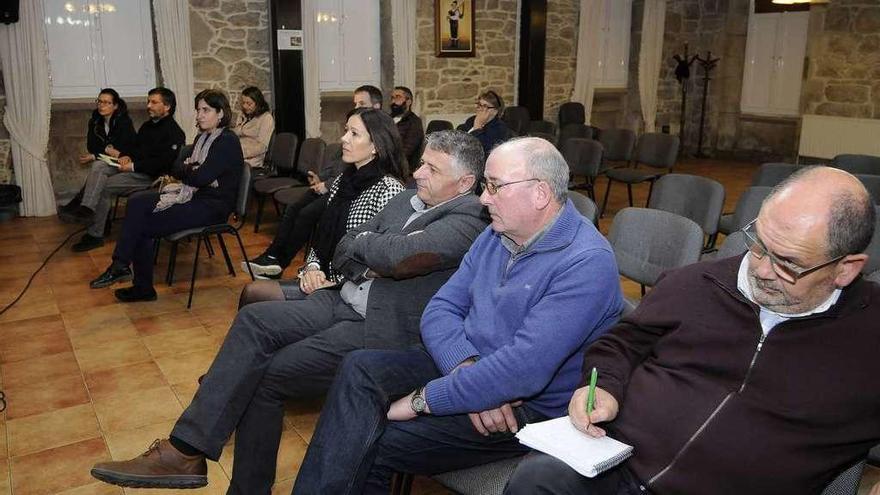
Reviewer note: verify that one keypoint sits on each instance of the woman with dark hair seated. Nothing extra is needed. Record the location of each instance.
(254, 127)
(486, 125)
(372, 150)
(206, 195)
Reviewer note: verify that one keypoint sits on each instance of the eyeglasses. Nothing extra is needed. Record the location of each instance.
(492, 188)
(99, 101)
(785, 269)
(480, 104)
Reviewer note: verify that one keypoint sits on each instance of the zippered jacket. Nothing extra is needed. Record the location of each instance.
(713, 407)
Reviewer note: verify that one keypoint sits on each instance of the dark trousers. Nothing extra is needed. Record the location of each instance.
(355, 449)
(274, 351)
(296, 226)
(141, 226)
(541, 473)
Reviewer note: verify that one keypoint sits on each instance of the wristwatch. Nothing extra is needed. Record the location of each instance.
(417, 403)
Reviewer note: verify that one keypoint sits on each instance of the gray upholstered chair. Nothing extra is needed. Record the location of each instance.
(543, 135)
(571, 112)
(747, 207)
(699, 198)
(618, 144)
(438, 125)
(770, 174)
(544, 126)
(857, 164)
(656, 150)
(517, 119)
(569, 131)
(584, 157)
(204, 233)
(585, 206)
(282, 159)
(872, 184)
(873, 250)
(648, 242)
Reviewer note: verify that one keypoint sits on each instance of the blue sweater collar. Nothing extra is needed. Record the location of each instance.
(561, 233)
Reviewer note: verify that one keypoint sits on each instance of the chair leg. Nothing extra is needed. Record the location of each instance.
(642, 286)
(156, 250)
(591, 191)
(277, 207)
(172, 262)
(244, 255)
(192, 282)
(225, 254)
(261, 202)
(650, 191)
(209, 248)
(605, 201)
(401, 484)
(108, 226)
(629, 193)
(710, 242)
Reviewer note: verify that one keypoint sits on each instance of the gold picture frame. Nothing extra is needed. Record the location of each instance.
(454, 28)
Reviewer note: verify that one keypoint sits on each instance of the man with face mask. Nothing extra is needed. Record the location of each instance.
(408, 124)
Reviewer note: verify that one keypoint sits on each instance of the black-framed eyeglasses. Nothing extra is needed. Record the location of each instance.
(480, 104)
(492, 188)
(785, 269)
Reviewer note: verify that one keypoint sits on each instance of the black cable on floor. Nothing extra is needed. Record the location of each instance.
(33, 275)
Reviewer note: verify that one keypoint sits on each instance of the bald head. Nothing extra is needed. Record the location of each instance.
(542, 159)
(826, 202)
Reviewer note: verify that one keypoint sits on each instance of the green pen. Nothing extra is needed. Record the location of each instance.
(591, 393)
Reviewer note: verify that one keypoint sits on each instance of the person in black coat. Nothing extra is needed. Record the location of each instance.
(207, 194)
(486, 125)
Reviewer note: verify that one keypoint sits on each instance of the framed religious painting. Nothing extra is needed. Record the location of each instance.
(454, 28)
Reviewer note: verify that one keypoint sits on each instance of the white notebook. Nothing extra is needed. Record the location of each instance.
(587, 455)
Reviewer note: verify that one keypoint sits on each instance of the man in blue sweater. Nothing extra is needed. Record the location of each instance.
(503, 339)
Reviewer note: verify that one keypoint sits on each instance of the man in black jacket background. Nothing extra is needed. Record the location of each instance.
(409, 125)
(158, 142)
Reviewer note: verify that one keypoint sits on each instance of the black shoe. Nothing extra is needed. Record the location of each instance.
(135, 294)
(81, 215)
(111, 276)
(264, 264)
(87, 243)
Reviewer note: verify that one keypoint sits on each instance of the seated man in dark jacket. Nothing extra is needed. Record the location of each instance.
(156, 147)
(281, 350)
(753, 374)
(409, 125)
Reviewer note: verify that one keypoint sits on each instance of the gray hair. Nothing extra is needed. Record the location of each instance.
(850, 221)
(465, 150)
(545, 162)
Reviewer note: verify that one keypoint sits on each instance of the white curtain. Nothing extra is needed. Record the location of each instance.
(175, 59)
(403, 33)
(650, 59)
(25, 61)
(311, 88)
(589, 30)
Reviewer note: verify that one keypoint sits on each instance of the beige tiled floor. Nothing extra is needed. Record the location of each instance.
(88, 379)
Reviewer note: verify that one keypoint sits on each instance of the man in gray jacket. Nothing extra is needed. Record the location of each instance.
(285, 349)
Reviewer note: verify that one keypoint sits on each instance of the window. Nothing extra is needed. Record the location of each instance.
(97, 45)
(612, 70)
(775, 50)
(348, 44)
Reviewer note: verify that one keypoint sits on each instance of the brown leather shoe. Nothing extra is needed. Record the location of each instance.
(161, 466)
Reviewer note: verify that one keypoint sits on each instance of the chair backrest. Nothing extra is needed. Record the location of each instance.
(517, 119)
(544, 126)
(544, 135)
(872, 184)
(486, 479)
(873, 249)
(874, 454)
(576, 131)
(656, 149)
(438, 125)
(283, 153)
(571, 112)
(699, 198)
(733, 245)
(847, 482)
(648, 242)
(244, 188)
(618, 144)
(770, 174)
(857, 164)
(183, 154)
(311, 155)
(748, 205)
(584, 205)
(584, 156)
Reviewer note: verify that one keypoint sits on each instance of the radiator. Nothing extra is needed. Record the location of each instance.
(824, 136)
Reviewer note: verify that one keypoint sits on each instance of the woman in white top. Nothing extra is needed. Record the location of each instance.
(254, 127)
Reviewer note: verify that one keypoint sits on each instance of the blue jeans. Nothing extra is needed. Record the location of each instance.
(356, 450)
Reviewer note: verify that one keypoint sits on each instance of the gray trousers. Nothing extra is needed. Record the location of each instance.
(104, 182)
(275, 350)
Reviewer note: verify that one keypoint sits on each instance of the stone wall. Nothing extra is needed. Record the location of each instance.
(449, 85)
(561, 55)
(230, 44)
(843, 76)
